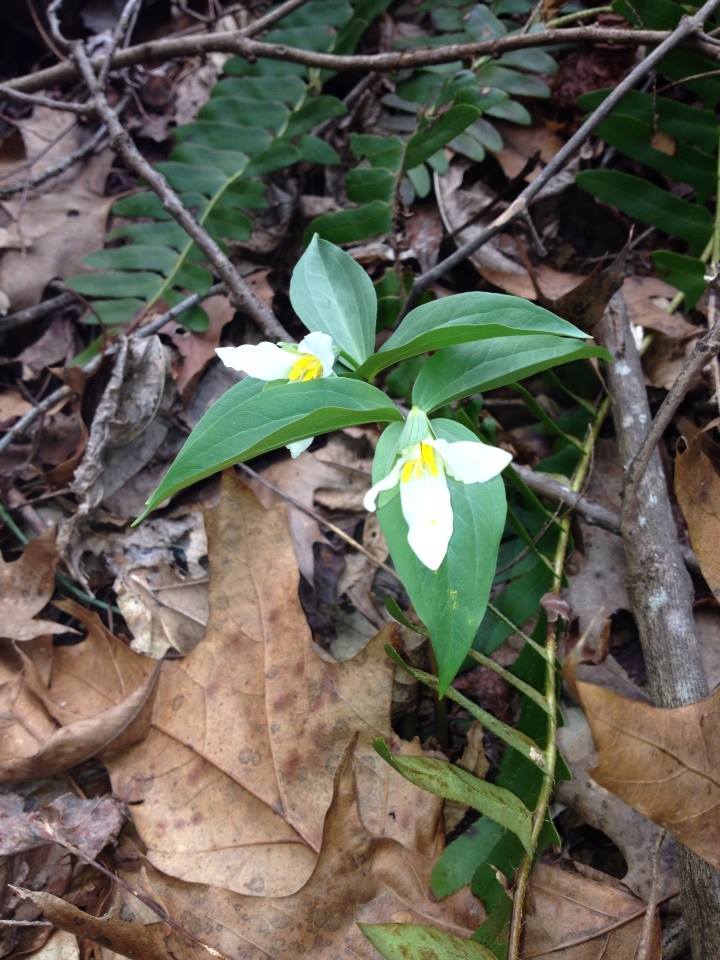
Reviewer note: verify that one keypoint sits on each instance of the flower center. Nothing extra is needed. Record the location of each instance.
(424, 462)
(306, 367)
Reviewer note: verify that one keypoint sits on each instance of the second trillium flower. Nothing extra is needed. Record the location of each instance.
(421, 471)
(311, 359)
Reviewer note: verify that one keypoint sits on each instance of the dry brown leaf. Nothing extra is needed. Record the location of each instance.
(697, 488)
(196, 350)
(245, 809)
(568, 908)
(635, 836)
(647, 300)
(26, 586)
(357, 878)
(98, 735)
(521, 143)
(77, 213)
(666, 356)
(663, 762)
(88, 825)
(12, 405)
(61, 946)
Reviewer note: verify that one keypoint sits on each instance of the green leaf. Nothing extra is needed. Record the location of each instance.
(647, 203)
(314, 150)
(514, 738)
(463, 318)
(332, 293)
(365, 184)
(454, 783)
(518, 84)
(450, 601)
(380, 151)
(685, 273)
(429, 140)
(253, 418)
(398, 941)
(356, 223)
(474, 367)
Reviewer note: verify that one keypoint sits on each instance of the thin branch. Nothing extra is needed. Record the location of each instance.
(24, 422)
(122, 143)
(239, 42)
(547, 486)
(646, 935)
(518, 208)
(37, 100)
(174, 313)
(22, 317)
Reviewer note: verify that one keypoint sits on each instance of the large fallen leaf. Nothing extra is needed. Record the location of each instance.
(663, 762)
(98, 735)
(697, 488)
(26, 586)
(569, 909)
(76, 215)
(358, 878)
(232, 784)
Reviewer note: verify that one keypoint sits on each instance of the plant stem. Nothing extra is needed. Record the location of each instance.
(543, 802)
(577, 15)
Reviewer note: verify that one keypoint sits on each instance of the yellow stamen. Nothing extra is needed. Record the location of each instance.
(424, 462)
(306, 367)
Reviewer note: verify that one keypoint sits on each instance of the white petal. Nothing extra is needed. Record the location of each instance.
(265, 361)
(320, 345)
(472, 462)
(299, 446)
(387, 483)
(427, 509)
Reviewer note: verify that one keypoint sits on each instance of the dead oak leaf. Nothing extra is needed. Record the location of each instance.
(235, 777)
(26, 586)
(697, 488)
(566, 908)
(663, 762)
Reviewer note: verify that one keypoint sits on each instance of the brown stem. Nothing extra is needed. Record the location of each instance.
(238, 42)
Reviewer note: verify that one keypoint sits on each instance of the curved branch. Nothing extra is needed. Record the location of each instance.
(238, 42)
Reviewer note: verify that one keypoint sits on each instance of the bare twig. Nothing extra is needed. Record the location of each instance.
(37, 100)
(239, 42)
(174, 313)
(645, 943)
(24, 422)
(22, 317)
(661, 594)
(519, 207)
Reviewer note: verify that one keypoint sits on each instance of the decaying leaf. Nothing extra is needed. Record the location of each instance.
(697, 488)
(196, 350)
(663, 762)
(358, 877)
(26, 586)
(570, 909)
(232, 784)
(85, 824)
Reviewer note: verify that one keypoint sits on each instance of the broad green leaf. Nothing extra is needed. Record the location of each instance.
(136, 256)
(450, 601)
(428, 141)
(399, 941)
(253, 418)
(518, 84)
(380, 151)
(514, 738)
(463, 318)
(690, 125)
(365, 184)
(647, 203)
(474, 367)
(314, 150)
(315, 111)
(454, 783)
(532, 61)
(634, 138)
(685, 273)
(330, 292)
(419, 177)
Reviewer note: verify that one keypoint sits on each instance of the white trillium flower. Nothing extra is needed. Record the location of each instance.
(311, 359)
(421, 471)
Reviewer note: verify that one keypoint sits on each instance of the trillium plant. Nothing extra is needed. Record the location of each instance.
(436, 484)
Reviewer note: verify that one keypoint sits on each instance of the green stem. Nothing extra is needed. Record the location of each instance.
(543, 802)
(577, 15)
